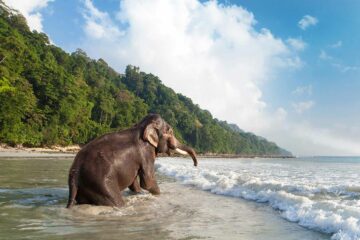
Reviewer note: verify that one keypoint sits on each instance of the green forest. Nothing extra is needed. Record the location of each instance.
(50, 97)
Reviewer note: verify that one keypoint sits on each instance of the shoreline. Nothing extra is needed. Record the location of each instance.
(71, 150)
(55, 151)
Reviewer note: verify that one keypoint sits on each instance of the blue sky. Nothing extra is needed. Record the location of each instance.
(286, 70)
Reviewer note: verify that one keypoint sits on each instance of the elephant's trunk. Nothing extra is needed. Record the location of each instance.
(183, 149)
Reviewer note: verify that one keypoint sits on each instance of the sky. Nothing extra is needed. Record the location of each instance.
(285, 70)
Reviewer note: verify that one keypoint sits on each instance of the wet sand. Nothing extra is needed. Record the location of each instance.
(55, 151)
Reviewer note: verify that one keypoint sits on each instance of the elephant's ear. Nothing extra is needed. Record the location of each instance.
(150, 134)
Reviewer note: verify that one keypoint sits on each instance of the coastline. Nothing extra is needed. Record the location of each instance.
(55, 151)
(221, 155)
(226, 155)
(71, 150)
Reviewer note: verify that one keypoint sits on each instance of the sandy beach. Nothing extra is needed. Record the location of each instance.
(71, 150)
(55, 151)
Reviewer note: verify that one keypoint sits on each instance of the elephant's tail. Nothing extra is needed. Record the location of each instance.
(73, 187)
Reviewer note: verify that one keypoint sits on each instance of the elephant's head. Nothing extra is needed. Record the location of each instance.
(161, 136)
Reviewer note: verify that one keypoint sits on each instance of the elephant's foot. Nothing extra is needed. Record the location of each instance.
(135, 186)
(150, 185)
(154, 191)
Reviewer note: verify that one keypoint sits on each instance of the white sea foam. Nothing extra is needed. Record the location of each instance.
(322, 196)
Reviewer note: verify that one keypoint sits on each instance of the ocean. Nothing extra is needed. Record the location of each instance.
(300, 198)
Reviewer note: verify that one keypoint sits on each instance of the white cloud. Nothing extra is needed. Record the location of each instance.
(195, 48)
(213, 54)
(324, 56)
(280, 114)
(323, 141)
(307, 21)
(301, 90)
(345, 68)
(296, 43)
(336, 63)
(301, 107)
(308, 140)
(336, 45)
(99, 24)
(31, 11)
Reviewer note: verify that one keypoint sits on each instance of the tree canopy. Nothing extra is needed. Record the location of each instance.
(49, 97)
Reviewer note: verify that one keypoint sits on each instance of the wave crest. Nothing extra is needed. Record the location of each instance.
(329, 209)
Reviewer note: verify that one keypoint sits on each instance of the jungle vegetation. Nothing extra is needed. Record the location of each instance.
(50, 97)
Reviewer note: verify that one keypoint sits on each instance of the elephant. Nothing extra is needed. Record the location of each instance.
(107, 165)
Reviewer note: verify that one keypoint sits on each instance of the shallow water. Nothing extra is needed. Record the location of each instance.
(33, 194)
(321, 194)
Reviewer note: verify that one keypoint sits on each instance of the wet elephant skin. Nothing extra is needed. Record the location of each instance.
(107, 165)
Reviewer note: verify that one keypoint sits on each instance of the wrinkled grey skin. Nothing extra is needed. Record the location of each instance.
(109, 164)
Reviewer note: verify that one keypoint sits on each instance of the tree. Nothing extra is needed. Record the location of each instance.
(48, 97)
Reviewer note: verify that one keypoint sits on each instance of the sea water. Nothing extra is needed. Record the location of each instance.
(309, 198)
(318, 193)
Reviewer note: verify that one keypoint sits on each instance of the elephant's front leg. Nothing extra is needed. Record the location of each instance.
(148, 181)
(135, 186)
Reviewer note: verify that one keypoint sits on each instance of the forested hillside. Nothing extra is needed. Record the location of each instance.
(49, 97)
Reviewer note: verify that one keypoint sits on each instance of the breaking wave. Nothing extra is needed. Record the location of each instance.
(323, 196)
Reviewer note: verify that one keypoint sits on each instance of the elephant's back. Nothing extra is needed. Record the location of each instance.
(98, 158)
(111, 142)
